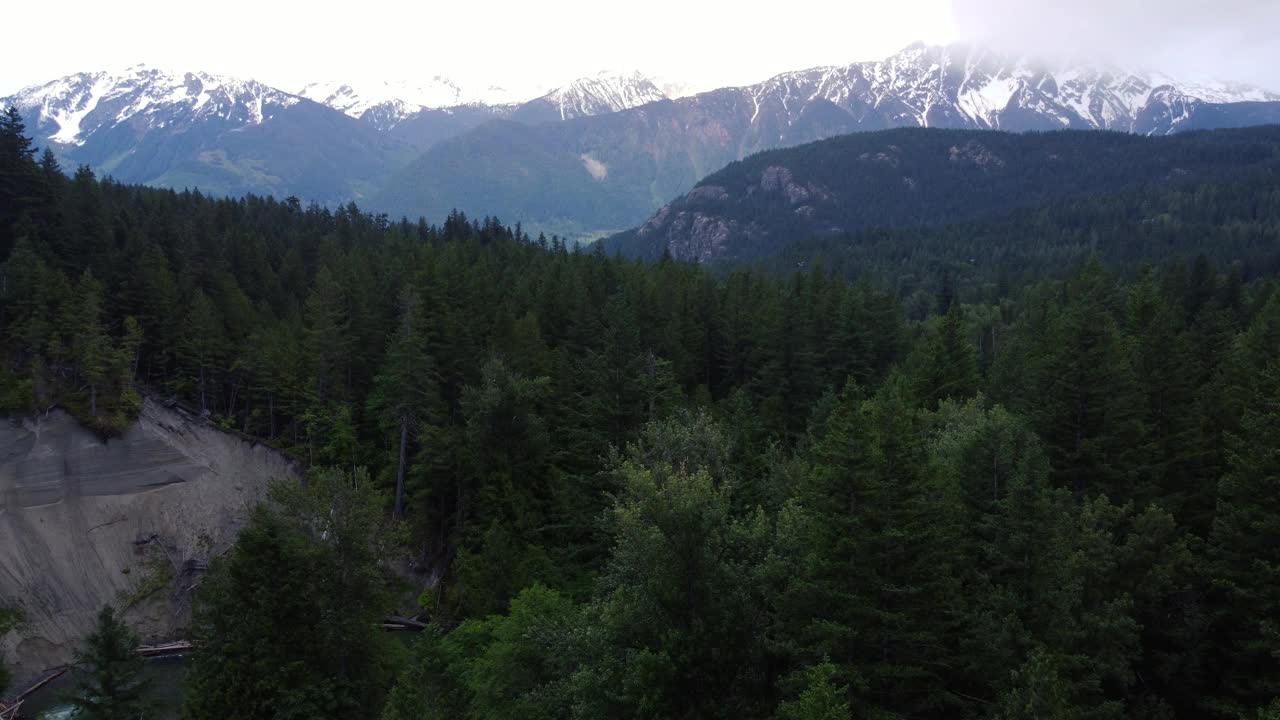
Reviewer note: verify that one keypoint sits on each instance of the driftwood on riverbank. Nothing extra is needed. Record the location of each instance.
(10, 712)
(178, 647)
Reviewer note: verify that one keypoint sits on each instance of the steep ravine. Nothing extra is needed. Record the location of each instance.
(131, 521)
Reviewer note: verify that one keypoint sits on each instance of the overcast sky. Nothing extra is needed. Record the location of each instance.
(542, 43)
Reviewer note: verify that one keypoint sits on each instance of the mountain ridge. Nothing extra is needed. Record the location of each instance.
(916, 177)
(224, 135)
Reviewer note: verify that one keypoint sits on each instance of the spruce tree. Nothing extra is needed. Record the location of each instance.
(820, 698)
(18, 176)
(1086, 397)
(949, 365)
(91, 345)
(875, 535)
(113, 687)
(201, 349)
(329, 342)
(286, 625)
(1245, 556)
(406, 393)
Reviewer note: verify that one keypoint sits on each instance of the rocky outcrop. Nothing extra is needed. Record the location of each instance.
(702, 226)
(131, 521)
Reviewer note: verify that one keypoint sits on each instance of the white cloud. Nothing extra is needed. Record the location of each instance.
(542, 43)
(1197, 39)
(529, 42)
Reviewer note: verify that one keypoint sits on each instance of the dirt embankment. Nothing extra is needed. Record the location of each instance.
(131, 522)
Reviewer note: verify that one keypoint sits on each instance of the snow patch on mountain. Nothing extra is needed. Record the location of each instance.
(408, 97)
(984, 102)
(604, 92)
(387, 102)
(963, 86)
(80, 104)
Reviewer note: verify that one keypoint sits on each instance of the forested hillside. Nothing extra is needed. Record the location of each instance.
(641, 490)
(926, 180)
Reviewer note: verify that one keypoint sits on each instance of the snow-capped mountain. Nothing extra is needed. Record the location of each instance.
(602, 93)
(73, 109)
(386, 103)
(969, 87)
(629, 142)
(600, 173)
(395, 100)
(195, 129)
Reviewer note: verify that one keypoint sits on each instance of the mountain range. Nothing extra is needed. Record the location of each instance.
(600, 154)
(223, 135)
(329, 142)
(610, 172)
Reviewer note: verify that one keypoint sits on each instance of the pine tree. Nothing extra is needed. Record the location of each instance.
(1038, 693)
(676, 632)
(201, 348)
(113, 687)
(622, 370)
(287, 623)
(18, 176)
(1165, 368)
(406, 393)
(820, 698)
(1086, 399)
(1245, 556)
(91, 346)
(875, 534)
(949, 366)
(329, 341)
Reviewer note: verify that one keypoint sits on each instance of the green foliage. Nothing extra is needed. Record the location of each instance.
(309, 645)
(683, 563)
(948, 365)
(9, 619)
(873, 531)
(113, 687)
(157, 575)
(820, 698)
(505, 666)
(1038, 692)
(1244, 553)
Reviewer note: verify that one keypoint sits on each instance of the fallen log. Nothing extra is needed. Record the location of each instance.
(10, 712)
(174, 648)
(395, 622)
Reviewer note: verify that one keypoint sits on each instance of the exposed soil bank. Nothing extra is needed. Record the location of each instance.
(131, 521)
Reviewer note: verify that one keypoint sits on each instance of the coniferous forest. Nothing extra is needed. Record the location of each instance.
(624, 489)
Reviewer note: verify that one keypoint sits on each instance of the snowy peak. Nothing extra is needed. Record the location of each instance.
(384, 103)
(70, 109)
(390, 100)
(602, 93)
(963, 86)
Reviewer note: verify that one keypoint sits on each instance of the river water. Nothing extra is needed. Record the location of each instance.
(164, 691)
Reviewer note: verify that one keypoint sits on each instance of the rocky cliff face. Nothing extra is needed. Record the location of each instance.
(132, 521)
